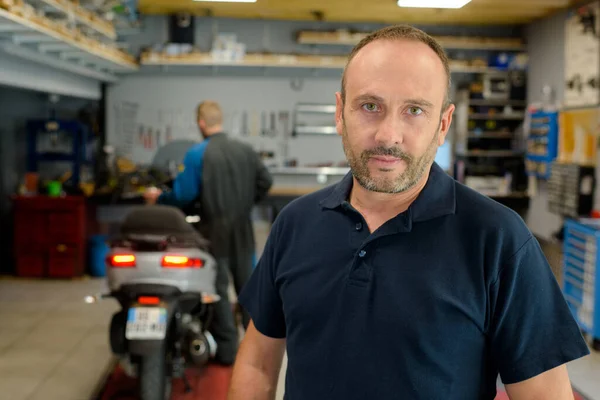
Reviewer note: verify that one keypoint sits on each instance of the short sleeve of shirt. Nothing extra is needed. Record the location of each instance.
(260, 296)
(532, 329)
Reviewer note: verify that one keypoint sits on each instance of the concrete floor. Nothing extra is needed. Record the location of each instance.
(53, 346)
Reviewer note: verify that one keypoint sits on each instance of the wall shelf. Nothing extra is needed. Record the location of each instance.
(496, 102)
(315, 130)
(278, 61)
(309, 171)
(316, 108)
(346, 38)
(492, 153)
(514, 116)
(491, 135)
(82, 16)
(249, 60)
(54, 40)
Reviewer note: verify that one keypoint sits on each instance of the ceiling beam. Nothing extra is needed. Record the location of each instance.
(477, 12)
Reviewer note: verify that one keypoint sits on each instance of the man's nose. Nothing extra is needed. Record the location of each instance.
(389, 132)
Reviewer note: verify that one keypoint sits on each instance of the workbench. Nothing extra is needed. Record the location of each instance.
(287, 187)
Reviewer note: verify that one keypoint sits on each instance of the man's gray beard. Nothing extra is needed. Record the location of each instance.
(415, 168)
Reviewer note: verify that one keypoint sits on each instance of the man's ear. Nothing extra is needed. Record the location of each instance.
(445, 123)
(339, 113)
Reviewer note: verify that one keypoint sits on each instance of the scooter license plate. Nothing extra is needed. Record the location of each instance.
(146, 323)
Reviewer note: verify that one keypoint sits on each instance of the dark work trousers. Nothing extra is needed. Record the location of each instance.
(223, 326)
(233, 247)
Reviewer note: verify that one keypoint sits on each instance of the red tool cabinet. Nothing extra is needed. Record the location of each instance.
(50, 236)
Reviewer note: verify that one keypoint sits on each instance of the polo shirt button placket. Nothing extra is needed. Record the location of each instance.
(360, 275)
(359, 226)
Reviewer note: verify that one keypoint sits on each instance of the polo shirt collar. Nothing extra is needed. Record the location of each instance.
(438, 197)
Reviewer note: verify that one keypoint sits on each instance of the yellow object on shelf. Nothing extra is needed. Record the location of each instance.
(87, 188)
(578, 136)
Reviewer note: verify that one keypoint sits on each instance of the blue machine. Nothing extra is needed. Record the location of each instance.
(580, 266)
(542, 143)
(51, 140)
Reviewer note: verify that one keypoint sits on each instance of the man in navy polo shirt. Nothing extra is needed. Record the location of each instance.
(398, 282)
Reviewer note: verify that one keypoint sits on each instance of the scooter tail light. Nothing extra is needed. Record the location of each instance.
(121, 260)
(149, 300)
(173, 261)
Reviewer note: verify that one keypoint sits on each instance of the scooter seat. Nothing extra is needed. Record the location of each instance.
(160, 222)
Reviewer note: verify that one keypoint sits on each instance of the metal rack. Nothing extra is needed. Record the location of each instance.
(580, 266)
(315, 110)
(78, 155)
(489, 150)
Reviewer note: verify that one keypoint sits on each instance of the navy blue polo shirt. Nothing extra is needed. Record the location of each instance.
(433, 305)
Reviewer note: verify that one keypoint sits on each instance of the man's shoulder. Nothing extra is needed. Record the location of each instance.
(198, 148)
(479, 208)
(486, 216)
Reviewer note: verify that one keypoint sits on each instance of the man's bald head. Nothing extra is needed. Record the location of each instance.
(402, 32)
(210, 112)
(209, 117)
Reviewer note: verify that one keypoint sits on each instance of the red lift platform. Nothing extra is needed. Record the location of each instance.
(210, 383)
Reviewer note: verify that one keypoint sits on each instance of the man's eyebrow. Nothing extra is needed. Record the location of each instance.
(419, 102)
(371, 97)
(368, 97)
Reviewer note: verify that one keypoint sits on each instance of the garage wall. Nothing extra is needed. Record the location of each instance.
(177, 91)
(546, 48)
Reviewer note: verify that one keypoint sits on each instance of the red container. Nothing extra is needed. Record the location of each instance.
(31, 265)
(67, 227)
(64, 262)
(31, 228)
(53, 229)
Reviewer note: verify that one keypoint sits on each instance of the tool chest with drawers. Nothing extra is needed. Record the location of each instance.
(580, 266)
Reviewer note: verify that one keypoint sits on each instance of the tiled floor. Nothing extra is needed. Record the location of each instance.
(53, 346)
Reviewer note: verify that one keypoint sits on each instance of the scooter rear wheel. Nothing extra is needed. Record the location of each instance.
(154, 383)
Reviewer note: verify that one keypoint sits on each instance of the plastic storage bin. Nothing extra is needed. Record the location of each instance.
(542, 143)
(580, 265)
(98, 251)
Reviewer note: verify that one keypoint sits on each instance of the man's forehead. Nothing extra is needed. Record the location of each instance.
(388, 65)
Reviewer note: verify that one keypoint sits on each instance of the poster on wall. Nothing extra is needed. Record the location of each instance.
(126, 117)
(578, 136)
(582, 56)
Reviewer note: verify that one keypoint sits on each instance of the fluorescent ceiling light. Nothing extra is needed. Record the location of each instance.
(227, 1)
(433, 3)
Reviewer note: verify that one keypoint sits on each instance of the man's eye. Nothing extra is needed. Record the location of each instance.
(370, 106)
(415, 110)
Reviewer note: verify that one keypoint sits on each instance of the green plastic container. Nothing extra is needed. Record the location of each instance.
(54, 189)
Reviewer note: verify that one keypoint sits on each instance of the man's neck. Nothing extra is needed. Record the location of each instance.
(213, 131)
(377, 208)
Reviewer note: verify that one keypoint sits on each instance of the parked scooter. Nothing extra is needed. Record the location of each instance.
(160, 271)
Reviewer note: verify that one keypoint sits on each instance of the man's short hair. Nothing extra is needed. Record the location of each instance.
(210, 112)
(396, 32)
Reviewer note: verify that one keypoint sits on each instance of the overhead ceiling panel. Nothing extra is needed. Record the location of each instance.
(480, 12)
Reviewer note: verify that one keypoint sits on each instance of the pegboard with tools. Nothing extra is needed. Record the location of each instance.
(582, 56)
